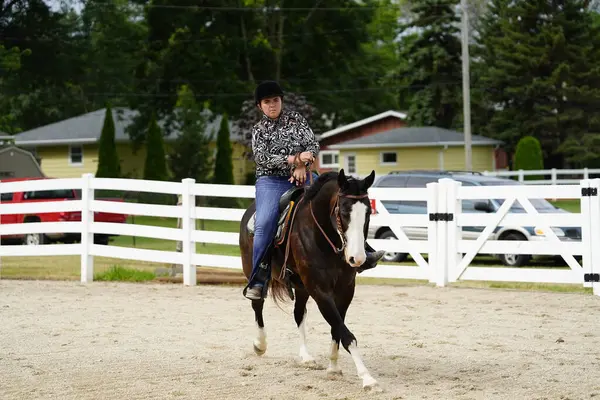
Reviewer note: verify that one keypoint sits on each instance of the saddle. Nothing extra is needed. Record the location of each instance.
(287, 203)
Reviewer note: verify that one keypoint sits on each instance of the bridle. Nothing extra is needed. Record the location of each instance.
(338, 220)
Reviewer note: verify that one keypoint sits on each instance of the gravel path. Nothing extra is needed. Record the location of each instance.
(63, 340)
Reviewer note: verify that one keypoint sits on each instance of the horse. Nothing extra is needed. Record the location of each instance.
(324, 249)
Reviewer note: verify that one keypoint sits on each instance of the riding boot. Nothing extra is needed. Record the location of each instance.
(257, 285)
(373, 258)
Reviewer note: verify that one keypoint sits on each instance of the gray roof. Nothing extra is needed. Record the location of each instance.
(414, 136)
(18, 163)
(87, 128)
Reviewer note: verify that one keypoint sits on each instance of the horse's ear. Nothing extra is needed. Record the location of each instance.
(342, 181)
(370, 179)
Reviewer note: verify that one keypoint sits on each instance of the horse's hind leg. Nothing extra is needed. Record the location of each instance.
(260, 343)
(333, 369)
(300, 317)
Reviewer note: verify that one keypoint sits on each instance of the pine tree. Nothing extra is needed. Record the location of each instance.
(433, 71)
(190, 156)
(109, 164)
(581, 145)
(534, 65)
(223, 163)
(155, 167)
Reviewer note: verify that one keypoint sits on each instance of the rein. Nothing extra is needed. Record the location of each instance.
(339, 228)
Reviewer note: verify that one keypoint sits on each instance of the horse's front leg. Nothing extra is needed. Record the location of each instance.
(260, 342)
(340, 333)
(300, 317)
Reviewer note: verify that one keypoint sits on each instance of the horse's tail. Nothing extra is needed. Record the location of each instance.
(279, 289)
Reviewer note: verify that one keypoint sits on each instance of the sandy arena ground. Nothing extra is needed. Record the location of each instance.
(62, 340)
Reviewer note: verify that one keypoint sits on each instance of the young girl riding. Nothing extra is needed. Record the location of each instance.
(277, 138)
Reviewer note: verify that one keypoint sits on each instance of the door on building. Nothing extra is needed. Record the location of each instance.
(351, 168)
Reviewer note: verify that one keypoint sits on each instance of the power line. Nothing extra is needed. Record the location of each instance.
(179, 40)
(250, 9)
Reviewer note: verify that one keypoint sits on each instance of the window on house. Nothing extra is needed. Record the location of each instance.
(388, 157)
(329, 159)
(75, 155)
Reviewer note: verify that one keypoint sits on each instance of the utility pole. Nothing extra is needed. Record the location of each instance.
(466, 85)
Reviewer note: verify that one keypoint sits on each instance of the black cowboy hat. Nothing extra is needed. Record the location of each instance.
(267, 89)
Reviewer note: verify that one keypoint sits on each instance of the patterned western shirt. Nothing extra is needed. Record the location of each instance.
(273, 140)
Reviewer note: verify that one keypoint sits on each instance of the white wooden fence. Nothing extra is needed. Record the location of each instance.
(552, 175)
(448, 255)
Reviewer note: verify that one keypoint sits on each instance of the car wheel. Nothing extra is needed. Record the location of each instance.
(34, 239)
(514, 260)
(391, 256)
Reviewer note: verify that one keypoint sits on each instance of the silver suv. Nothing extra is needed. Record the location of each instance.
(419, 179)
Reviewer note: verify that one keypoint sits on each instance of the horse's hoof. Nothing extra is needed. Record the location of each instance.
(334, 373)
(258, 350)
(370, 384)
(307, 359)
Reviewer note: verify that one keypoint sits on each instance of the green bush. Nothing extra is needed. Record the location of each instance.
(528, 156)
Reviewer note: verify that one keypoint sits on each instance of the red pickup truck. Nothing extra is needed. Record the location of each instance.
(36, 196)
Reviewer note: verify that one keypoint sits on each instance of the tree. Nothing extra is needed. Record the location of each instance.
(329, 53)
(109, 164)
(538, 62)
(155, 167)
(528, 156)
(223, 163)
(433, 71)
(190, 154)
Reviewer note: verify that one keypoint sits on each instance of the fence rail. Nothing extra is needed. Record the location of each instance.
(574, 175)
(444, 255)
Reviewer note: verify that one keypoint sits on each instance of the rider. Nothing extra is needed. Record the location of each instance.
(276, 139)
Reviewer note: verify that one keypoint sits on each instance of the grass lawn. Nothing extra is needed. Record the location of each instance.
(568, 205)
(68, 267)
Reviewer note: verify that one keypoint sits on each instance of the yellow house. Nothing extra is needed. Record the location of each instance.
(414, 148)
(69, 148)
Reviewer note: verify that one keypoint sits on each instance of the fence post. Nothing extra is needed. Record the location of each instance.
(586, 230)
(594, 218)
(454, 230)
(188, 205)
(441, 268)
(521, 176)
(432, 231)
(87, 236)
(0, 236)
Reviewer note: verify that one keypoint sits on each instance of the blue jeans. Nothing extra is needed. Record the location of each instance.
(269, 189)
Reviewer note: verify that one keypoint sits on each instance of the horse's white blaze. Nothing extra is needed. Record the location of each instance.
(355, 235)
(361, 370)
(305, 357)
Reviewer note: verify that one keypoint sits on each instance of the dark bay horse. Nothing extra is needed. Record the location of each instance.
(326, 249)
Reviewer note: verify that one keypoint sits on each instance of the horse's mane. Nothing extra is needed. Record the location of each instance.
(314, 189)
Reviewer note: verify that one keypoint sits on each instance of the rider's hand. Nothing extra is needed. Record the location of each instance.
(299, 175)
(306, 157)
